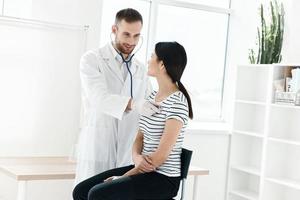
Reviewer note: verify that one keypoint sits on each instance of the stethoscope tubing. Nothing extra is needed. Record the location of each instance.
(127, 64)
(129, 71)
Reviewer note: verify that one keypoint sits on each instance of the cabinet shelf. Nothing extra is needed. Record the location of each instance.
(247, 169)
(246, 194)
(265, 142)
(244, 184)
(249, 117)
(295, 184)
(277, 189)
(261, 103)
(284, 124)
(248, 133)
(252, 66)
(285, 106)
(246, 151)
(250, 81)
(282, 162)
(286, 64)
(284, 141)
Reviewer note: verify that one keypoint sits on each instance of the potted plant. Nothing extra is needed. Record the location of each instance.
(269, 36)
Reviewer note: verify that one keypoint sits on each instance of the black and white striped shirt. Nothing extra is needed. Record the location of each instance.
(174, 106)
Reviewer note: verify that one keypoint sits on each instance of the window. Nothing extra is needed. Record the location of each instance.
(204, 40)
(1, 7)
(203, 33)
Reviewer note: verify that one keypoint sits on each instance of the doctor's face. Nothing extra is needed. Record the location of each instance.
(127, 35)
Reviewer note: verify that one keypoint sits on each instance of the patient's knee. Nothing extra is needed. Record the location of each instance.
(97, 193)
(76, 193)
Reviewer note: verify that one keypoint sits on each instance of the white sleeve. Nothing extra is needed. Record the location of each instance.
(95, 88)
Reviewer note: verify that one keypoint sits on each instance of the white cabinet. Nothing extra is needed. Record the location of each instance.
(265, 144)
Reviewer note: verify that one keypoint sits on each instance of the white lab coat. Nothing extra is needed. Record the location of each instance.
(107, 133)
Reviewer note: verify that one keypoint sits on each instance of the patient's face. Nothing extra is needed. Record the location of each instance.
(154, 66)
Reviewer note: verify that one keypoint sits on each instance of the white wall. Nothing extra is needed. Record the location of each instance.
(291, 47)
(210, 151)
(55, 126)
(45, 142)
(76, 12)
(39, 88)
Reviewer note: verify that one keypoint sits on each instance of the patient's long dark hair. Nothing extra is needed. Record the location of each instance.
(173, 55)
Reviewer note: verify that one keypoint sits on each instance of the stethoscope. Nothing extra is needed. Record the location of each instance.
(127, 62)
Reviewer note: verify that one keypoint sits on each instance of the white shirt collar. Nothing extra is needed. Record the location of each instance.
(113, 50)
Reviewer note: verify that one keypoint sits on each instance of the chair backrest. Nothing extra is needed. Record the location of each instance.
(186, 156)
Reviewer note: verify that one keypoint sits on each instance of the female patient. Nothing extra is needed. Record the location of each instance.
(157, 147)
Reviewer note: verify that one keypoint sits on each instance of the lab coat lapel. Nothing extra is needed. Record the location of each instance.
(111, 62)
(134, 68)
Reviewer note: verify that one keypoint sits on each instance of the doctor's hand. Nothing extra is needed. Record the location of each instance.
(145, 107)
(143, 163)
(129, 106)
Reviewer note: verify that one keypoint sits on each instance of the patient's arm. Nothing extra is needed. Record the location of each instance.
(140, 160)
(167, 141)
(137, 145)
(133, 171)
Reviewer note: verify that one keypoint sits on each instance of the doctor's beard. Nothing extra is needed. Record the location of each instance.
(123, 48)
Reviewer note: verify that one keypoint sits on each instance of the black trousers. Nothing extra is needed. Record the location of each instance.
(147, 186)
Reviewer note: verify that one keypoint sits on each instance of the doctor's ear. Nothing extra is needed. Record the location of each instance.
(114, 29)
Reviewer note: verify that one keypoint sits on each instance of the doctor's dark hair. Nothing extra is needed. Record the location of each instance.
(129, 15)
(173, 55)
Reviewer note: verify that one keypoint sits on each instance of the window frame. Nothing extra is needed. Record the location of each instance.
(177, 3)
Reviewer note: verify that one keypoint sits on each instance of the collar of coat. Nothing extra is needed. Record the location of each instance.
(109, 58)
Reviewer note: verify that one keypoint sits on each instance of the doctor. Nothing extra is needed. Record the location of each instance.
(112, 92)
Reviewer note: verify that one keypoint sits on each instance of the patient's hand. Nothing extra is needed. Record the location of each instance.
(109, 179)
(143, 163)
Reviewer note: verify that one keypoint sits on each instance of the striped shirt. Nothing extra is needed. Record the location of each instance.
(152, 127)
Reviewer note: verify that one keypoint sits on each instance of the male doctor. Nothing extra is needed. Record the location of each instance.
(112, 95)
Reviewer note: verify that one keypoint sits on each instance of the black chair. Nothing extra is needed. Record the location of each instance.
(186, 156)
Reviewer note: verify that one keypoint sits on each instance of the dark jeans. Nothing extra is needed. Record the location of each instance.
(137, 187)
